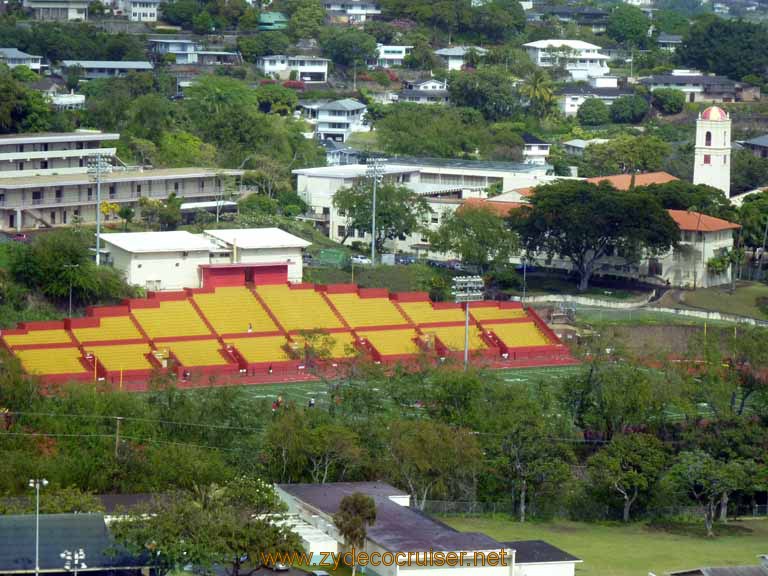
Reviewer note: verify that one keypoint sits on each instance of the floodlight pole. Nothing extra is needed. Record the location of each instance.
(468, 289)
(36, 484)
(95, 166)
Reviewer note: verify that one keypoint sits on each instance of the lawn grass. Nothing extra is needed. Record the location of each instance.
(368, 141)
(743, 302)
(634, 550)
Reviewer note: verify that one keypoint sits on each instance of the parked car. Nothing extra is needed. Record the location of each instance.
(319, 573)
(279, 567)
(20, 237)
(361, 260)
(405, 259)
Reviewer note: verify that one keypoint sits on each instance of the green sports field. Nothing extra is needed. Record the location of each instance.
(633, 550)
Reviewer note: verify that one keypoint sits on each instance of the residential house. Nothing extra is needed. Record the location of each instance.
(758, 146)
(535, 150)
(411, 539)
(337, 154)
(186, 52)
(644, 4)
(45, 181)
(390, 56)
(430, 91)
(577, 146)
(605, 88)
(269, 21)
(13, 57)
(143, 10)
(456, 58)
(669, 42)
(351, 11)
(335, 120)
(580, 59)
(93, 69)
(595, 19)
(58, 10)
(699, 87)
(308, 69)
(55, 93)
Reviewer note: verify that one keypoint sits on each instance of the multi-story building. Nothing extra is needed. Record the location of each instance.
(187, 52)
(425, 92)
(456, 58)
(605, 88)
(335, 120)
(390, 56)
(669, 42)
(143, 10)
(93, 69)
(308, 69)
(44, 179)
(581, 60)
(351, 11)
(535, 150)
(596, 19)
(58, 10)
(699, 87)
(13, 57)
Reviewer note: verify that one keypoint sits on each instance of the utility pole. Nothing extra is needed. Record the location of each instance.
(374, 171)
(37, 484)
(69, 268)
(118, 420)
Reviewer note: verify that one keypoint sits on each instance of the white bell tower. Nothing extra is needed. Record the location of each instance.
(712, 163)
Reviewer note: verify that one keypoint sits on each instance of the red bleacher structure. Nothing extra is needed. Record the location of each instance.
(249, 325)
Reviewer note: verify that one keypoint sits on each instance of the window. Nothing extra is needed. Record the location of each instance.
(112, 192)
(708, 140)
(707, 159)
(64, 217)
(53, 217)
(59, 194)
(43, 164)
(341, 231)
(90, 193)
(20, 165)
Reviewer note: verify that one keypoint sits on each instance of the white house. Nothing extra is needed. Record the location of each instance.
(605, 88)
(390, 56)
(405, 542)
(173, 260)
(430, 91)
(58, 10)
(92, 69)
(577, 146)
(143, 10)
(308, 69)
(13, 57)
(351, 11)
(699, 87)
(535, 150)
(669, 42)
(580, 59)
(183, 51)
(455, 58)
(337, 119)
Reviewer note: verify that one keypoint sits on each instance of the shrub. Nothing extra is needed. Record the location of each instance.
(294, 84)
(629, 109)
(593, 112)
(668, 100)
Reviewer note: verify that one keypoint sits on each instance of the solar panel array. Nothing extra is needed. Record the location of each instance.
(239, 327)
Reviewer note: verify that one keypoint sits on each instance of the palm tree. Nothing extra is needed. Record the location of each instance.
(537, 88)
(356, 512)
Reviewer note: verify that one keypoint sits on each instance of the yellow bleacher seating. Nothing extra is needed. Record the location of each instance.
(122, 356)
(231, 309)
(391, 342)
(257, 349)
(45, 361)
(360, 312)
(453, 337)
(494, 313)
(519, 334)
(196, 352)
(298, 309)
(38, 337)
(335, 345)
(424, 313)
(172, 318)
(110, 328)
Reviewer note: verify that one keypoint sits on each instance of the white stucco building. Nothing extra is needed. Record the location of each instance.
(174, 260)
(308, 69)
(58, 10)
(712, 158)
(401, 539)
(336, 119)
(432, 91)
(605, 88)
(580, 59)
(92, 69)
(390, 56)
(13, 57)
(351, 11)
(143, 10)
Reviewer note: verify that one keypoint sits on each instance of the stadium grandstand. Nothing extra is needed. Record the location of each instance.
(270, 330)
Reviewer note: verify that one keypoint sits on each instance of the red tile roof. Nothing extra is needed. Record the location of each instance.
(697, 222)
(501, 208)
(624, 181)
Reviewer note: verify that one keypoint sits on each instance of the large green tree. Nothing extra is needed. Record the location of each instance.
(489, 90)
(624, 154)
(753, 217)
(583, 222)
(478, 235)
(628, 25)
(537, 90)
(348, 46)
(628, 467)
(399, 211)
(748, 172)
(594, 112)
